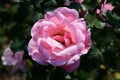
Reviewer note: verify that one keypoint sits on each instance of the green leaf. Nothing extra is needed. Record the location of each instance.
(117, 32)
(89, 4)
(18, 1)
(50, 5)
(95, 53)
(93, 21)
(112, 18)
(102, 37)
(16, 44)
(76, 6)
(37, 16)
(14, 9)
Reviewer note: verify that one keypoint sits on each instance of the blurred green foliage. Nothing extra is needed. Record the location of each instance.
(101, 63)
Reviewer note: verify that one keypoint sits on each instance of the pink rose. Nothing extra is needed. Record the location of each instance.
(60, 39)
(13, 59)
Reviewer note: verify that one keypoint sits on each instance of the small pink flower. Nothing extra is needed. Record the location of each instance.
(104, 7)
(60, 39)
(99, 12)
(13, 59)
(79, 1)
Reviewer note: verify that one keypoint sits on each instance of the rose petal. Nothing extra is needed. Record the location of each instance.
(67, 39)
(106, 7)
(75, 49)
(70, 14)
(59, 61)
(53, 43)
(70, 68)
(36, 55)
(45, 49)
(76, 34)
(43, 28)
(79, 24)
(73, 59)
(32, 47)
(54, 16)
(58, 38)
(37, 27)
(87, 43)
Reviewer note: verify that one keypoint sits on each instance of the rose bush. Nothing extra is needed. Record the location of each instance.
(60, 39)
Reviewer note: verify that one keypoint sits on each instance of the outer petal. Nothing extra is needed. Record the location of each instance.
(70, 68)
(59, 61)
(37, 27)
(70, 14)
(36, 55)
(79, 24)
(32, 47)
(78, 29)
(88, 42)
(55, 17)
(43, 28)
(73, 59)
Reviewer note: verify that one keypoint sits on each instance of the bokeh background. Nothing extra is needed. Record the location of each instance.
(101, 63)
